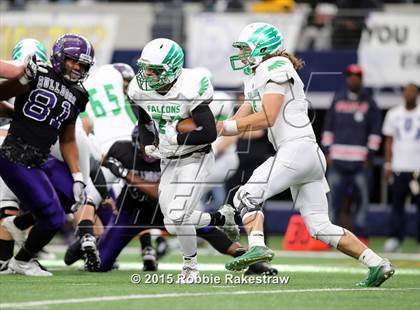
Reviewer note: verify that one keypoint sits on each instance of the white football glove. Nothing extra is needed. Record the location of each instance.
(32, 66)
(78, 191)
(171, 133)
(152, 151)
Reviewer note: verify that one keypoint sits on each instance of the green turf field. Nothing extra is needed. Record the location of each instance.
(314, 281)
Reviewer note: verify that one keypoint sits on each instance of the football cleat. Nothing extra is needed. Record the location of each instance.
(73, 253)
(18, 235)
(4, 267)
(32, 268)
(230, 227)
(189, 273)
(378, 274)
(149, 259)
(261, 268)
(90, 253)
(254, 255)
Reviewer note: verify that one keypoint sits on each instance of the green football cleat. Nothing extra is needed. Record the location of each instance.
(378, 275)
(254, 255)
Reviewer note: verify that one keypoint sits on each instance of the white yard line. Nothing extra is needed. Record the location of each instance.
(283, 268)
(178, 295)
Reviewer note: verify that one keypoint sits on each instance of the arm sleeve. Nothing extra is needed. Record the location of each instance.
(147, 131)
(205, 132)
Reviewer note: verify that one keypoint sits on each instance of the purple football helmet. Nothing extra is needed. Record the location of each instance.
(126, 71)
(75, 47)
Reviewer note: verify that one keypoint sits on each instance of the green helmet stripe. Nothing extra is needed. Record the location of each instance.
(271, 42)
(169, 55)
(25, 47)
(177, 58)
(17, 55)
(256, 35)
(271, 34)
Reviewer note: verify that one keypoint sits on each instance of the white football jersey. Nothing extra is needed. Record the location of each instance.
(292, 122)
(222, 105)
(191, 89)
(112, 116)
(404, 127)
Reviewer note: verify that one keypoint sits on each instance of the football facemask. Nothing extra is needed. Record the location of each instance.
(153, 77)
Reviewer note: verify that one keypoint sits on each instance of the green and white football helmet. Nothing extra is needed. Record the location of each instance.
(27, 47)
(255, 41)
(160, 64)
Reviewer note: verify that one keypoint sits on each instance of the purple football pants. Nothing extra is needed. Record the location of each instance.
(41, 189)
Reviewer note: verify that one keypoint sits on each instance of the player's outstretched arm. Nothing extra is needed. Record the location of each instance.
(244, 110)
(68, 148)
(10, 70)
(6, 109)
(271, 105)
(149, 188)
(11, 88)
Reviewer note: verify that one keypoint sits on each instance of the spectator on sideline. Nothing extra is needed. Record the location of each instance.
(350, 21)
(317, 34)
(351, 137)
(402, 163)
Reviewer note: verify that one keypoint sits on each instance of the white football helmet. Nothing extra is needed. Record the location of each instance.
(254, 42)
(160, 64)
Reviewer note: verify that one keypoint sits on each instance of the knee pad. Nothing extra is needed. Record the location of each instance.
(321, 228)
(170, 226)
(177, 215)
(244, 203)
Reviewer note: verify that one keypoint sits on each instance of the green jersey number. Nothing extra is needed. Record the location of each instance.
(161, 123)
(97, 106)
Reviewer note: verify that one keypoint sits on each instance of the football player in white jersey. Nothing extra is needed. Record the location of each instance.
(276, 101)
(165, 94)
(112, 118)
(108, 118)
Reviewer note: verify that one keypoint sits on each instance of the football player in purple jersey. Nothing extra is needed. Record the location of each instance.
(48, 101)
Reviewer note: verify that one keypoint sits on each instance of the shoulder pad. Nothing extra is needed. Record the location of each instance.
(222, 105)
(277, 69)
(196, 85)
(133, 91)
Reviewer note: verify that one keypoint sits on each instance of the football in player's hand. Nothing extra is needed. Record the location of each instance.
(186, 125)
